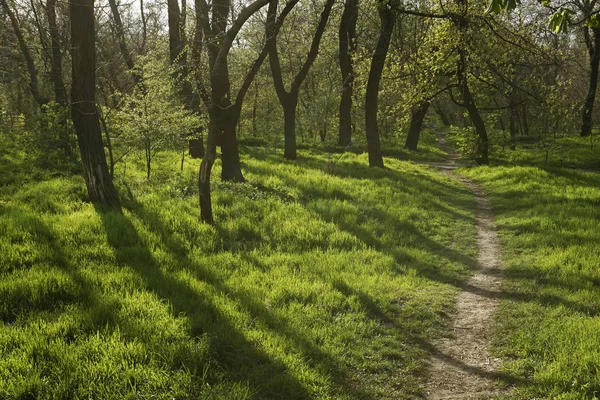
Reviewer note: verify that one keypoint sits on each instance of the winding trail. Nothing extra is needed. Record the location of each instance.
(461, 366)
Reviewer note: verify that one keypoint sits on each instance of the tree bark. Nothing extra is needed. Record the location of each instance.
(481, 156)
(347, 48)
(219, 40)
(416, 124)
(83, 107)
(469, 103)
(442, 114)
(387, 17)
(289, 114)
(593, 46)
(286, 99)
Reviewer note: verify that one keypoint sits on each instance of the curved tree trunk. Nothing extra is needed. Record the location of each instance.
(347, 47)
(388, 20)
(416, 124)
(467, 98)
(83, 107)
(593, 45)
(442, 114)
(469, 103)
(287, 99)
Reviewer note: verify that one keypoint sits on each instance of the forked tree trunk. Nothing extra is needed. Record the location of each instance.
(287, 99)
(387, 17)
(83, 108)
(416, 124)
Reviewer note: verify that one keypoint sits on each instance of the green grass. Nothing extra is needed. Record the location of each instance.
(548, 327)
(310, 285)
(566, 152)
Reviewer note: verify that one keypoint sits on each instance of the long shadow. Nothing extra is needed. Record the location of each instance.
(237, 357)
(275, 323)
(52, 298)
(392, 179)
(407, 232)
(417, 340)
(423, 242)
(357, 170)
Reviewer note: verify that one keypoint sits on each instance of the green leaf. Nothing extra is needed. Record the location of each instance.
(560, 20)
(593, 21)
(495, 7)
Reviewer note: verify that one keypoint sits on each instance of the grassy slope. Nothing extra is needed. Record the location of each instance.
(311, 285)
(567, 152)
(549, 324)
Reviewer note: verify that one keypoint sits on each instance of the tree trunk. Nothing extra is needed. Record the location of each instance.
(513, 127)
(83, 108)
(33, 76)
(60, 94)
(481, 156)
(120, 33)
(469, 103)
(387, 17)
(206, 214)
(442, 114)
(416, 124)
(148, 160)
(347, 47)
(111, 159)
(588, 107)
(287, 99)
(514, 115)
(289, 128)
(231, 168)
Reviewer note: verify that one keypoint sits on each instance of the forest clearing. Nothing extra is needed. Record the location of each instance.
(324, 199)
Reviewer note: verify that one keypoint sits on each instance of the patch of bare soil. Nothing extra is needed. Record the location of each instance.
(462, 367)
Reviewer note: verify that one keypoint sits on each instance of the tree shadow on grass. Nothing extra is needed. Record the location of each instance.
(417, 338)
(407, 232)
(244, 359)
(237, 357)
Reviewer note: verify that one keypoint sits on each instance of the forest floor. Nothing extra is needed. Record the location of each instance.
(320, 280)
(462, 366)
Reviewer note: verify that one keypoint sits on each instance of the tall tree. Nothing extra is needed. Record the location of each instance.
(34, 86)
(592, 41)
(219, 39)
(60, 93)
(347, 48)
(387, 16)
(462, 73)
(83, 103)
(289, 99)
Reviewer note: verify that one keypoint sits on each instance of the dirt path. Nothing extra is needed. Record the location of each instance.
(462, 367)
